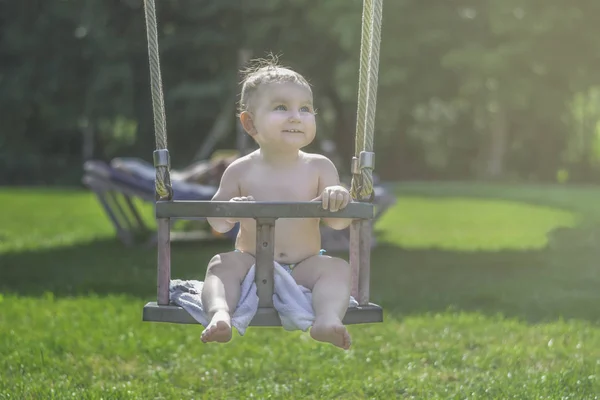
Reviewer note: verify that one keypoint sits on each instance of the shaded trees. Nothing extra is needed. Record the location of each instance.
(468, 88)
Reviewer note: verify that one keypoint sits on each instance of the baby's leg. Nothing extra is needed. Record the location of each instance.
(329, 279)
(221, 292)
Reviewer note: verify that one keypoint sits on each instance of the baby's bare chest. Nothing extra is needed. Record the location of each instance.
(300, 184)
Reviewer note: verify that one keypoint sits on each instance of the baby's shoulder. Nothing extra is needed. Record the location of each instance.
(242, 163)
(318, 161)
(237, 170)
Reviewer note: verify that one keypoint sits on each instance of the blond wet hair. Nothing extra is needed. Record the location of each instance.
(263, 71)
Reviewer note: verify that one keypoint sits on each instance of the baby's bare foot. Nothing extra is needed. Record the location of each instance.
(333, 332)
(219, 329)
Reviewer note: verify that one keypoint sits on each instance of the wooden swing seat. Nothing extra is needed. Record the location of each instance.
(265, 214)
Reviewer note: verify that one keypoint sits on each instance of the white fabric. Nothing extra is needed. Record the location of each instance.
(292, 301)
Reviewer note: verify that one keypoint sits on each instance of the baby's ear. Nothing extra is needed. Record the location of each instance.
(248, 123)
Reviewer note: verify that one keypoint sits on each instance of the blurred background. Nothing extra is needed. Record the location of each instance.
(469, 89)
(485, 243)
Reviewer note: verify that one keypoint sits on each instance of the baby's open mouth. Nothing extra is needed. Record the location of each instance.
(293, 131)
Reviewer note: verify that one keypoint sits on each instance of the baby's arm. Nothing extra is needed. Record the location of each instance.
(228, 189)
(330, 180)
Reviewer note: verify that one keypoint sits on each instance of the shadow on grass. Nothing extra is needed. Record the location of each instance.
(560, 281)
(535, 286)
(100, 267)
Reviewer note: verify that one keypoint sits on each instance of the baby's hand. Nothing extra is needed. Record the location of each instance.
(236, 199)
(334, 198)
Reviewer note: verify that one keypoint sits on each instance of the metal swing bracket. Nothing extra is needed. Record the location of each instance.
(162, 165)
(161, 158)
(365, 159)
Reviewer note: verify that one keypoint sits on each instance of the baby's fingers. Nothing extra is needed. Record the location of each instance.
(325, 200)
(335, 201)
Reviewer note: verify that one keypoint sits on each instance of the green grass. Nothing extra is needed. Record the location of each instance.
(462, 224)
(490, 291)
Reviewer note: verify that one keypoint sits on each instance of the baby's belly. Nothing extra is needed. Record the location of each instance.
(295, 239)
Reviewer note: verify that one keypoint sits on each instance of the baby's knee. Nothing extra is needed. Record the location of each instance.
(230, 263)
(340, 267)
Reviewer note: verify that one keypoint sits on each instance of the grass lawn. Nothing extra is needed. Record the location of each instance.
(490, 292)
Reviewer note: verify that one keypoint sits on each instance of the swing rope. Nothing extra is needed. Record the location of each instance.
(164, 191)
(362, 184)
(363, 161)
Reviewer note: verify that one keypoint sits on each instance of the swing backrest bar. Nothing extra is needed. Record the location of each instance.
(227, 209)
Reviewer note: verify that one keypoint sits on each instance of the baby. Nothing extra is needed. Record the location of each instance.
(277, 112)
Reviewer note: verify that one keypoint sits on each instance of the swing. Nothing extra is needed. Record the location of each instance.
(266, 213)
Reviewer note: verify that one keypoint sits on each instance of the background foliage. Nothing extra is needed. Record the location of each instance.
(469, 89)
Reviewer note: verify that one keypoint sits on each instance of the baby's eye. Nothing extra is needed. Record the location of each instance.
(280, 107)
(305, 109)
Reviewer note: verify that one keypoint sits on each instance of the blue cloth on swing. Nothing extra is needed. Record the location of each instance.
(293, 302)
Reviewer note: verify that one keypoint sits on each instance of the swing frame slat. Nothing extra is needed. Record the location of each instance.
(164, 260)
(259, 209)
(265, 317)
(265, 246)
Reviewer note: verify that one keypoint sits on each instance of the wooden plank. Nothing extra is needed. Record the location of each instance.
(216, 209)
(164, 260)
(265, 246)
(367, 314)
(364, 274)
(354, 255)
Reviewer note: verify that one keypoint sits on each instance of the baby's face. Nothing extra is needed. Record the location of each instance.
(284, 115)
